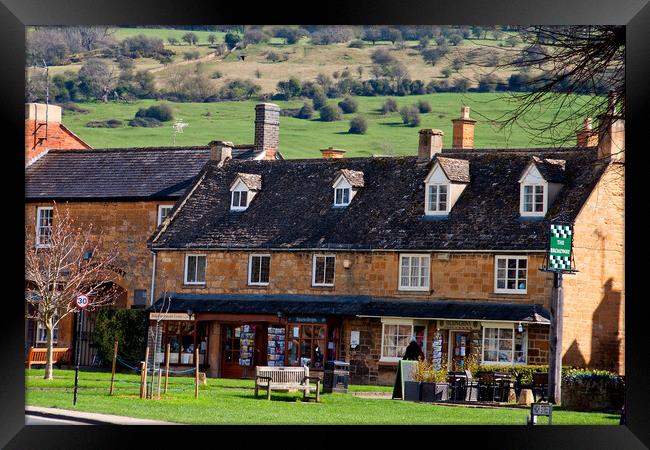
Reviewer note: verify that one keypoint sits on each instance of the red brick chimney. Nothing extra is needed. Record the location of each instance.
(463, 136)
(430, 143)
(44, 131)
(611, 141)
(267, 128)
(586, 137)
(329, 153)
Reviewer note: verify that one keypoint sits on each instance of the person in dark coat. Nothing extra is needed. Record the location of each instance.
(413, 352)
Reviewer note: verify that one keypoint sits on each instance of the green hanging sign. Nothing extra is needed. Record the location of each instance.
(561, 246)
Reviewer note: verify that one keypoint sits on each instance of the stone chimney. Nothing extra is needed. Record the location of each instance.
(220, 151)
(463, 136)
(267, 128)
(586, 137)
(329, 153)
(430, 143)
(611, 139)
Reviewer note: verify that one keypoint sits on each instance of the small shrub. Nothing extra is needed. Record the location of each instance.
(358, 125)
(390, 106)
(216, 75)
(424, 106)
(189, 56)
(162, 113)
(357, 43)
(330, 113)
(348, 105)
(146, 122)
(110, 123)
(410, 116)
(306, 112)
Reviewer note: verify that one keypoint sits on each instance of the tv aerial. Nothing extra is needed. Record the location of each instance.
(178, 127)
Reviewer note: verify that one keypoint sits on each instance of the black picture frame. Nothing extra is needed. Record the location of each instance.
(16, 14)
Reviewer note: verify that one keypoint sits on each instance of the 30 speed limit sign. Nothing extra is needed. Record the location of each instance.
(82, 301)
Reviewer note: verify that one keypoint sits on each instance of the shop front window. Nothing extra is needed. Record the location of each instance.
(183, 338)
(504, 346)
(306, 345)
(396, 337)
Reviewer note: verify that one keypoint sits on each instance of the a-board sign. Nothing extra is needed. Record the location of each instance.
(561, 245)
(541, 410)
(404, 373)
(82, 301)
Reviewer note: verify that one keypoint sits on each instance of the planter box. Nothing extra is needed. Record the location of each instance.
(435, 392)
(412, 391)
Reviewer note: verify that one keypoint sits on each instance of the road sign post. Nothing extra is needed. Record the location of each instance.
(82, 302)
(559, 261)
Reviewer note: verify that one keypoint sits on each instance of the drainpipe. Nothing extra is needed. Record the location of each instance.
(153, 277)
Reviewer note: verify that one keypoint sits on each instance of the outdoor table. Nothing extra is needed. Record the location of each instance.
(457, 382)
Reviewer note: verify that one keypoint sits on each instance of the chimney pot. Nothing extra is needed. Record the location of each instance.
(463, 130)
(267, 127)
(430, 143)
(586, 137)
(330, 152)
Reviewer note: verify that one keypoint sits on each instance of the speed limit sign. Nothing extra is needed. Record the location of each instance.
(82, 301)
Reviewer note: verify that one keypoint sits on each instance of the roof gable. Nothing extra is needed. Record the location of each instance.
(456, 170)
(353, 177)
(551, 170)
(252, 181)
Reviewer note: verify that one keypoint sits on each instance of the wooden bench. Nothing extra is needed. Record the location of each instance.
(39, 355)
(284, 379)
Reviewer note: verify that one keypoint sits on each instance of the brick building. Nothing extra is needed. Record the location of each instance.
(302, 261)
(124, 192)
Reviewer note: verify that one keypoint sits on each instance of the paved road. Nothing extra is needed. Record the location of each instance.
(40, 420)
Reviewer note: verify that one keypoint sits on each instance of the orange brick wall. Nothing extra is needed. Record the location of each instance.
(594, 298)
(58, 137)
(462, 277)
(125, 225)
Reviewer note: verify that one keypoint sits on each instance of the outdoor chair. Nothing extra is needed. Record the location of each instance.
(471, 387)
(503, 382)
(487, 386)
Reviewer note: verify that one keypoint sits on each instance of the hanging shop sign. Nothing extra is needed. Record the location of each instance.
(460, 325)
(560, 250)
(170, 316)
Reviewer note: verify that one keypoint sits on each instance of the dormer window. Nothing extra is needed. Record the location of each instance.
(346, 186)
(446, 180)
(438, 197)
(540, 182)
(243, 190)
(342, 196)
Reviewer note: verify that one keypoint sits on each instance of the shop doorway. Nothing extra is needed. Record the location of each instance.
(243, 348)
(458, 349)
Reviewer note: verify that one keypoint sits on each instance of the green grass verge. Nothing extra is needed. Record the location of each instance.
(299, 138)
(225, 401)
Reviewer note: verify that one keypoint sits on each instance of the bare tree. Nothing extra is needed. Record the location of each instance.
(555, 63)
(66, 259)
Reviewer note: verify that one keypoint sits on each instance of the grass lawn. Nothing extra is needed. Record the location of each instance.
(299, 138)
(225, 401)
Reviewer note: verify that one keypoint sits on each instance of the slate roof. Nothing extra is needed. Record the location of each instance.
(354, 177)
(118, 173)
(294, 208)
(457, 170)
(551, 169)
(349, 305)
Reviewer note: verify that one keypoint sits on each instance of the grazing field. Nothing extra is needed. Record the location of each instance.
(225, 401)
(300, 138)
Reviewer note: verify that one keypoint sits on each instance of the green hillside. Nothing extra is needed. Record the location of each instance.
(233, 121)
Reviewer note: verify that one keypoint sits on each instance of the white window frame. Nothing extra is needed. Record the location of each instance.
(250, 269)
(38, 242)
(195, 283)
(405, 322)
(399, 274)
(507, 326)
(505, 290)
(522, 197)
(428, 198)
(160, 210)
(40, 328)
(232, 200)
(343, 202)
(313, 270)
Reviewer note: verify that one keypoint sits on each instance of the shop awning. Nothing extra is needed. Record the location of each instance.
(352, 305)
